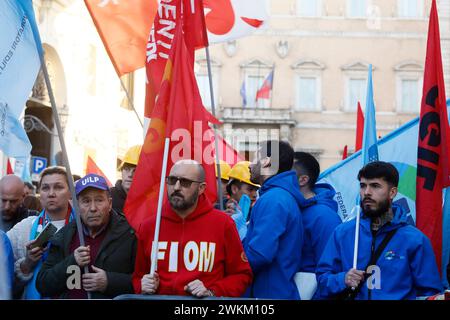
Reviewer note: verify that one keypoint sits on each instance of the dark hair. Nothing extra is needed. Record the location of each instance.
(308, 165)
(233, 182)
(76, 177)
(32, 203)
(54, 170)
(29, 185)
(285, 159)
(380, 169)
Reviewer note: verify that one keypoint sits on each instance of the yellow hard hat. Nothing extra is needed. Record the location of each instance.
(224, 170)
(132, 156)
(241, 172)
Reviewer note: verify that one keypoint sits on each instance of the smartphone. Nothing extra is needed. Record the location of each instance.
(44, 236)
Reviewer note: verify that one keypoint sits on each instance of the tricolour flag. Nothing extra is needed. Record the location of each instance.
(266, 88)
(179, 115)
(123, 26)
(19, 65)
(433, 145)
(9, 169)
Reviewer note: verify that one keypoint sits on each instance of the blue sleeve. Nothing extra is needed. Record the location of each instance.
(267, 224)
(9, 255)
(323, 229)
(425, 272)
(330, 276)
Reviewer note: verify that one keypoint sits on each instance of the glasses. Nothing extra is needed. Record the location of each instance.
(184, 182)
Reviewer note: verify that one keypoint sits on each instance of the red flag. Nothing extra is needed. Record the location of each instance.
(91, 167)
(9, 169)
(226, 152)
(161, 37)
(359, 128)
(123, 27)
(180, 116)
(433, 147)
(345, 153)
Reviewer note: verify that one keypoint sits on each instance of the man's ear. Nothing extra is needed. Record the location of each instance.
(201, 188)
(392, 193)
(303, 180)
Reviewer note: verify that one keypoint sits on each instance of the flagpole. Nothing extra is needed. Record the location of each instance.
(65, 158)
(216, 144)
(154, 258)
(130, 101)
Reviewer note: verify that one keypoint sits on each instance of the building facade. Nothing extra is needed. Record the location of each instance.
(320, 51)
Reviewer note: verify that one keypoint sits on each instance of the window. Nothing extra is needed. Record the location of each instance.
(410, 8)
(202, 77)
(252, 85)
(409, 75)
(410, 101)
(308, 8)
(307, 93)
(203, 87)
(356, 91)
(356, 8)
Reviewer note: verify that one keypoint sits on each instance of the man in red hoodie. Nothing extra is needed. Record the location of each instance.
(199, 250)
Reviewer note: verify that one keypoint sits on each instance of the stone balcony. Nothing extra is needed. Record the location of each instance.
(257, 116)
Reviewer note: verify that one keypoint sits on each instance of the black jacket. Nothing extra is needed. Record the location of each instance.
(118, 196)
(116, 256)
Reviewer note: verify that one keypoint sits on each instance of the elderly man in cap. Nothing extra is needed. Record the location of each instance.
(127, 168)
(109, 251)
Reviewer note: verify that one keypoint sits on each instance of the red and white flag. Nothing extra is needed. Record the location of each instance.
(231, 19)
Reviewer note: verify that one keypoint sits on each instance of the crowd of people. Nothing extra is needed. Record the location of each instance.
(279, 235)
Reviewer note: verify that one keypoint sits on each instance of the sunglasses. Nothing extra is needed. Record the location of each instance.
(184, 182)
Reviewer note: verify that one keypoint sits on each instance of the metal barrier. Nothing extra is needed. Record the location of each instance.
(165, 297)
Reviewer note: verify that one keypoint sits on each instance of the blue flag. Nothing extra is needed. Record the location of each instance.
(369, 147)
(19, 66)
(243, 94)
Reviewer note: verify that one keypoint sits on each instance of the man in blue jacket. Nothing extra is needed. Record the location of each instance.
(319, 210)
(405, 269)
(274, 238)
(6, 267)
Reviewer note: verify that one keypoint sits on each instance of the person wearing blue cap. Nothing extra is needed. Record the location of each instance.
(109, 251)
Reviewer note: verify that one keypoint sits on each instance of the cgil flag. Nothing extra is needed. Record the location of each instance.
(19, 65)
(123, 26)
(433, 145)
(179, 115)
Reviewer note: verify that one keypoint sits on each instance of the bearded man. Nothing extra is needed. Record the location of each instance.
(395, 259)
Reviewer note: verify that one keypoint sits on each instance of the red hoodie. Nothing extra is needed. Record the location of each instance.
(205, 245)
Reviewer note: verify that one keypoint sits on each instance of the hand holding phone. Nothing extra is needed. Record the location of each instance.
(44, 236)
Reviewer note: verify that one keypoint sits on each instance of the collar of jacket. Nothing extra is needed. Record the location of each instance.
(203, 207)
(397, 222)
(117, 226)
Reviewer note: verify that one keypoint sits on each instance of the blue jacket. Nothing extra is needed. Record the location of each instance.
(320, 218)
(8, 260)
(274, 238)
(407, 265)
